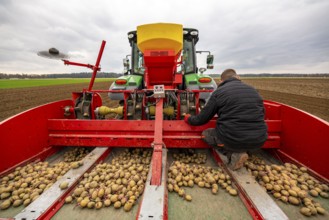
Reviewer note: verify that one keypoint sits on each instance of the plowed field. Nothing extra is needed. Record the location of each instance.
(14, 101)
(308, 94)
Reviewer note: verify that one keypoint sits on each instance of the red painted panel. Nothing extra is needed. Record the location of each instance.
(26, 135)
(272, 110)
(119, 133)
(305, 138)
(160, 67)
(157, 145)
(124, 142)
(137, 125)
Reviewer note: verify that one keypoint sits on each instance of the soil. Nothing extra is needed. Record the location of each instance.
(308, 94)
(14, 101)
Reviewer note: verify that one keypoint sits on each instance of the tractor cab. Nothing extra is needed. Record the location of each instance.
(188, 53)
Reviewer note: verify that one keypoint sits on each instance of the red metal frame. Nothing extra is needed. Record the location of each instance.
(165, 207)
(157, 145)
(94, 68)
(67, 62)
(304, 137)
(137, 133)
(25, 136)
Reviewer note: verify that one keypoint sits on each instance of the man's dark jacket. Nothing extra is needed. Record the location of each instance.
(240, 124)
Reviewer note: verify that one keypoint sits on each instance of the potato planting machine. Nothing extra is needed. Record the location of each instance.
(161, 83)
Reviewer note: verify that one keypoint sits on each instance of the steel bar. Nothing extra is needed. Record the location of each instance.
(67, 62)
(96, 67)
(157, 144)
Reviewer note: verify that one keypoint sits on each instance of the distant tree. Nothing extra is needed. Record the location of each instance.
(115, 75)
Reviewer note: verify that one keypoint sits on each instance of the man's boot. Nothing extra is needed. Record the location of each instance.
(238, 160)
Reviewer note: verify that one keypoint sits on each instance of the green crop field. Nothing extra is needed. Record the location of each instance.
(24, 83)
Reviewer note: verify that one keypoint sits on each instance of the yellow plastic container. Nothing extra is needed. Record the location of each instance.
(160, 36)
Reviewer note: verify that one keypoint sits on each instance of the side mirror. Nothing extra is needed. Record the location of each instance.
(210, 61)
(202, 70)
(125, 66)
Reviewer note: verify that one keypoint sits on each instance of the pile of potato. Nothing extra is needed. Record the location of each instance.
(76, 154)
(189, 156)
(27, 183)
(289, 184)
(185, 175)
(119, 184)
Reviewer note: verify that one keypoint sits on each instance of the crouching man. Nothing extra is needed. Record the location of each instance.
(240, 127)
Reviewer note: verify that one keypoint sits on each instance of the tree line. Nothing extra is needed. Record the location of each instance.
(279, 75)
(58, 75)
(115, 75)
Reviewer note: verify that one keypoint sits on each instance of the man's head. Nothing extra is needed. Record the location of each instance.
(229, 73)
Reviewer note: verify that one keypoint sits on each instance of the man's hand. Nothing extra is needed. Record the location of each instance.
(186, 118)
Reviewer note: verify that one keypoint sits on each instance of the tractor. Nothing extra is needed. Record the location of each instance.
(189, 77)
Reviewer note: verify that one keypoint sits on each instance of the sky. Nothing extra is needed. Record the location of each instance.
(251, 36)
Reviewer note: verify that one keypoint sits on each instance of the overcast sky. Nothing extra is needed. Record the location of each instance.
(251, 36)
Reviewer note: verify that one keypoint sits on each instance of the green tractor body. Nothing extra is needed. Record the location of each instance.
(192, 80)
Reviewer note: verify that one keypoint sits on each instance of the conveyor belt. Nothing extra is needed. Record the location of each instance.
(51, 196)
(204, 204)
(157, 204)
(267, 208)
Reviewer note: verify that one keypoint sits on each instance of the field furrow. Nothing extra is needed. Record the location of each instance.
(308, 94)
